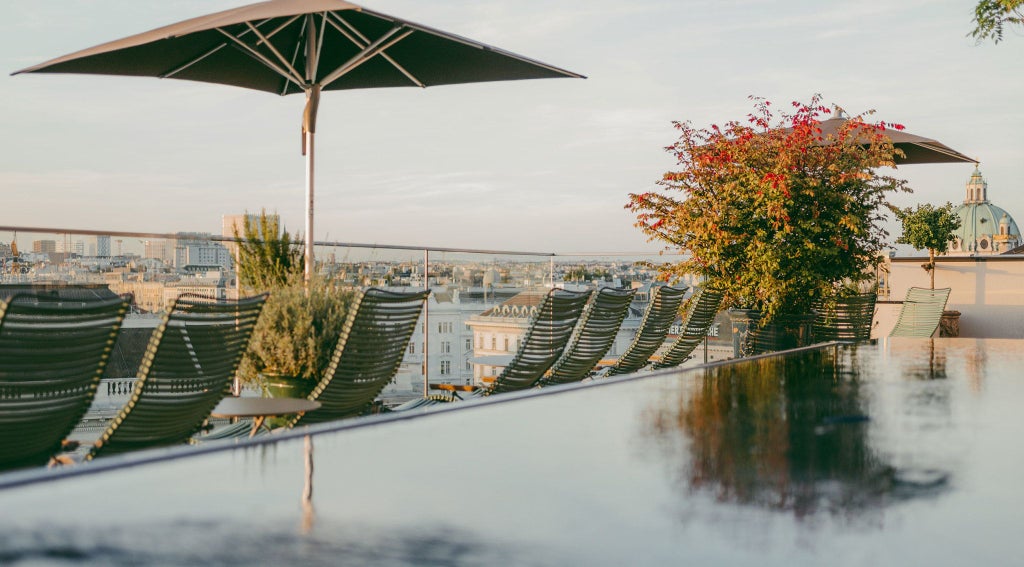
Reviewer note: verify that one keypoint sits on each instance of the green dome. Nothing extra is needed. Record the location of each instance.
(984, 228)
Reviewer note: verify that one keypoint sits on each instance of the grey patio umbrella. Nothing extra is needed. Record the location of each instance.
(916, 149)
(303, 46)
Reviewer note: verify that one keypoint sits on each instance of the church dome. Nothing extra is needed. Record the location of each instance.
(984, 228)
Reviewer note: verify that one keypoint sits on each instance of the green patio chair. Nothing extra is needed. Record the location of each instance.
(846, 319)
(701, 309)
(52, 355)
(593, 336)
(188, 368)
(546, 338)
(660, 314)
(921, 312)
(368, 354)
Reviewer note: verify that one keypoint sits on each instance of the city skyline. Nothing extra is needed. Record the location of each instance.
(534, 165)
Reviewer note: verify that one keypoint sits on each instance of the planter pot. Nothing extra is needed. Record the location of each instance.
(749, 337)
(949, 324)
(281, 386)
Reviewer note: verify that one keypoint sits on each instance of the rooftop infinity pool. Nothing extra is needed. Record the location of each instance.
(900, 452)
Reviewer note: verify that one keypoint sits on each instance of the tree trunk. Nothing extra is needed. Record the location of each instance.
(931, 262)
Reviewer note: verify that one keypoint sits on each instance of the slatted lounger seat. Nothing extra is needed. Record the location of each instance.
(52, 355)
(660, 314)
(846, 319)
(546, 338)
(593, 336)
(188, 368)
(700, 315)
(369, 352)
(921, 312)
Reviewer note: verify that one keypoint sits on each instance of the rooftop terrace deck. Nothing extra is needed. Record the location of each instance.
(902, 452)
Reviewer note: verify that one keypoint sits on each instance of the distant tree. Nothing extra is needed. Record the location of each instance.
(928, 228)
(267, 256)
(990, 16)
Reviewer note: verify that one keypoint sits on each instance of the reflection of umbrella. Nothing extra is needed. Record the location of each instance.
(292, 46)
(916, 149)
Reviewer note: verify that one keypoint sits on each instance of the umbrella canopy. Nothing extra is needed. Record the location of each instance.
(916, 149)
(303, 46)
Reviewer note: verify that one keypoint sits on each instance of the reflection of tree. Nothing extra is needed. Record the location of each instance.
(784, 433)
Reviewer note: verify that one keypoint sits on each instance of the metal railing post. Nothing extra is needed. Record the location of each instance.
(426, 323)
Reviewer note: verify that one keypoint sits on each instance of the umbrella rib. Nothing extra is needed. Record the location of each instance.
(260, 57)
(274, 50)
(939, 148)
(278, 28)
(367, 53)
(193, 61)
(366, 41)
(295, 57)
(319, 45)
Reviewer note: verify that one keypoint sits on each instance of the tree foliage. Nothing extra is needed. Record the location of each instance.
(930, 228)
(772, 211)
(297, 330)
(267, 256)
(300, 324)
(992, 16)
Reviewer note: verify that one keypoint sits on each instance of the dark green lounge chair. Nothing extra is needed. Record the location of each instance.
(368, 355)
(545, 340)
(52, 355)
(700, 315)
(921, 312)
(188, 368)
(846, 319)
(660, 314)
(593, 336)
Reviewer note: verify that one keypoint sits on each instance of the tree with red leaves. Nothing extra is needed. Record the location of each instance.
(772, 211)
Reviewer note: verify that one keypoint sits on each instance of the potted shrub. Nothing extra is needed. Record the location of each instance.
(931, 228)
(774, 213)
(296, 334)
(293, 341)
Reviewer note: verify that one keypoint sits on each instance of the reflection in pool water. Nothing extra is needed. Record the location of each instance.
(213, 543)
(901, 452)
(790, 434)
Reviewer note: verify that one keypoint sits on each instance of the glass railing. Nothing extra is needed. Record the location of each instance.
(448, 344)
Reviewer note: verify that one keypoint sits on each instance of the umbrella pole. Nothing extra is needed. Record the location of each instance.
(309, 255)
(308, 149)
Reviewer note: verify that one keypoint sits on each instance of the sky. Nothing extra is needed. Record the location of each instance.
(542, 165)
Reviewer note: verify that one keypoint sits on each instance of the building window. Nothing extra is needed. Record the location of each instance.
(446, 347)
(412, 347)
(469, 365)
(446, 367)
(506, 344)
(494, 343)
(469, 344)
